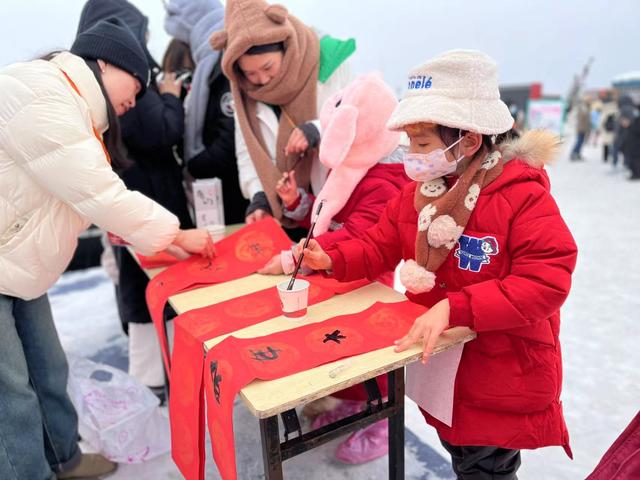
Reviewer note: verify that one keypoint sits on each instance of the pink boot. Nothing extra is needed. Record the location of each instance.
(365, 445)
(345, 408)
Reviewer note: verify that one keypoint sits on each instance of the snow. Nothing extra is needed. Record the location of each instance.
(599, 337)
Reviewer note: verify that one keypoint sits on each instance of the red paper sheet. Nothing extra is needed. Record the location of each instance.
(234, 363)
(158, 260)
(191, 329)
(238, 255)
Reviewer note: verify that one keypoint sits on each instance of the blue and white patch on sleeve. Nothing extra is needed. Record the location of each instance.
(474, 252)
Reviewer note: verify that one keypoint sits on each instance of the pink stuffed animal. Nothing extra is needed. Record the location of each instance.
(354, 139)
(356, 146)
(364, 175)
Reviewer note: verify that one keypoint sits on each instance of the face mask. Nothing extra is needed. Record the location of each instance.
(424, 167)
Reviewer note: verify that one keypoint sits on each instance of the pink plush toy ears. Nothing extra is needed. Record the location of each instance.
(339, 135)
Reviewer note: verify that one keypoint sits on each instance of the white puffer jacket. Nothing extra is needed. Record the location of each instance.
(55, 179)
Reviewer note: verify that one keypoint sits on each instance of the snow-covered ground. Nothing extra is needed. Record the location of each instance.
(599, 335)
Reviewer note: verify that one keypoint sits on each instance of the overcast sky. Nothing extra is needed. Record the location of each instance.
(544, 41)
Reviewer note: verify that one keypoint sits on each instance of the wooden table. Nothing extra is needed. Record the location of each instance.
(268, 399)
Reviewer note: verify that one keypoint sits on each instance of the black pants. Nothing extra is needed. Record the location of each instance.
(634, 166)
(483, 463)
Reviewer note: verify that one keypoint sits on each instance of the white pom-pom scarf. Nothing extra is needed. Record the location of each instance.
(443, 214)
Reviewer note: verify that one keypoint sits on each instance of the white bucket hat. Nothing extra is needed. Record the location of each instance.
(457, 89)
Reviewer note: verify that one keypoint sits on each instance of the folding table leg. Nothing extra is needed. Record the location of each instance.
(374, 400)
(396, 425)
(271, 457)
(291, 423)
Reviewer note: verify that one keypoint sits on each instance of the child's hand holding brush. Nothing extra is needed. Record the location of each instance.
(314, 257)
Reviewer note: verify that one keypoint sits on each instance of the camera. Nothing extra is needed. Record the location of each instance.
(183, 75)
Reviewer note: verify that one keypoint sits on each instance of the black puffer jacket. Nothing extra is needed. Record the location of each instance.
(153, 127)
(631, 143)
(150, 132)
(219, 157)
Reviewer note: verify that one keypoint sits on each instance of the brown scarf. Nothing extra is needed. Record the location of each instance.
(252, 22)
(443, 214)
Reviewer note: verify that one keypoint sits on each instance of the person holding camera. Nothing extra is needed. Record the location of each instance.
(209, 143)
(150, 131)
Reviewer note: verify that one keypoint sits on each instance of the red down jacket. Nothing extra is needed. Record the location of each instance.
(507, 390)
(364, 207)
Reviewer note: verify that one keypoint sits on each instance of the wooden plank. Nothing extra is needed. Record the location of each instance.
(351, 302)
(265, 399)
(202, 297)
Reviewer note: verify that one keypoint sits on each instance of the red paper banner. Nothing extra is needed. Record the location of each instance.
(191, 329)
(158, 260)
(238, 255)
(234, 362)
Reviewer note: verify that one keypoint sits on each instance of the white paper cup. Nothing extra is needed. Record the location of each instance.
(216, 232)
(294, 302)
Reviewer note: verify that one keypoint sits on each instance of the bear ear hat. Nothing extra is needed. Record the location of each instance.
(276, 13)
(219, 39)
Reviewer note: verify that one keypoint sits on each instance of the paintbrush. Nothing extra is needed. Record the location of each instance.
(306, 243)
(295, 164)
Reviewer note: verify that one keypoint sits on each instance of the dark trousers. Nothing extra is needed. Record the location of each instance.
(483, 463)
(577, 149)
(634, 165)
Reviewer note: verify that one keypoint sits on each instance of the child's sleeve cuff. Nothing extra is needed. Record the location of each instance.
(460, 310)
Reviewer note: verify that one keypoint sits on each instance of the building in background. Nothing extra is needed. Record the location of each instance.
(629, 84)
(530, 108)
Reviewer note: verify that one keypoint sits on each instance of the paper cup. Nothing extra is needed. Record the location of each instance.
(294, 302)
(216, 232)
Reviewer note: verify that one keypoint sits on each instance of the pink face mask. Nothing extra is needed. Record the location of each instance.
(424, 167)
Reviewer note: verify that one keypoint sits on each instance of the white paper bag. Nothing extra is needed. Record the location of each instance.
(431, 385)
(208, 204)
(117, 416)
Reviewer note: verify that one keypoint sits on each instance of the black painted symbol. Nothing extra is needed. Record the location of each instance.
(217, 379)
(256, 248)
(213, 267)
(261, 356)
(336, 336)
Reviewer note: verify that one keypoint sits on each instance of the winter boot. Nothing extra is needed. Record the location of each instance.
(92, 465)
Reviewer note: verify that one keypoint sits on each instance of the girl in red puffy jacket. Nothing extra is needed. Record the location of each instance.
(485, 247)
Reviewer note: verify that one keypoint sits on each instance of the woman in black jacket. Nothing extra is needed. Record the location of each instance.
(150, 132)
(209, 145)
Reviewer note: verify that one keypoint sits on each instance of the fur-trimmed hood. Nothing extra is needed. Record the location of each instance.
(525, 159)
(535, 147)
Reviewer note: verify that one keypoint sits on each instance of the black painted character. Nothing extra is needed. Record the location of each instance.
(256, 248)
(212, 266)
(261, 356)
(217, 379)
(336, 336)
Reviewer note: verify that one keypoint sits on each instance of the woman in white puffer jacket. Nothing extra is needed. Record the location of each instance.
(56, 178)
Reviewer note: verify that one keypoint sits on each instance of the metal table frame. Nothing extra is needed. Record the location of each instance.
(274, 452)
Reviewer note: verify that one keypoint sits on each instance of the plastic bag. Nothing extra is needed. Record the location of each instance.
(118, 416)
